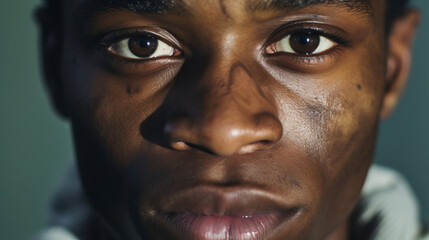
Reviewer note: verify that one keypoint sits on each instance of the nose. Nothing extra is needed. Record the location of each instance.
(232, 115)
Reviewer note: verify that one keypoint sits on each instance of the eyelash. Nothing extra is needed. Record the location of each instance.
(114, 37)
(296, 27)
(111, 38)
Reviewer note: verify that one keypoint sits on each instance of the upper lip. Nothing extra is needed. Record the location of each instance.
(225, 201)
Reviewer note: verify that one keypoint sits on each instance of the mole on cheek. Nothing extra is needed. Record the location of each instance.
(359, 87)
(222, 84)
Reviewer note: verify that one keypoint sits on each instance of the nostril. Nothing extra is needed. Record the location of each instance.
(223, 136)
(185, 146)
(201, 148)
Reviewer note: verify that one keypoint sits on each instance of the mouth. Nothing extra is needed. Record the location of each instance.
(213, 213)
(251, 227)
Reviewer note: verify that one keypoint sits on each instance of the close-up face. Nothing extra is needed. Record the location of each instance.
(244, 119)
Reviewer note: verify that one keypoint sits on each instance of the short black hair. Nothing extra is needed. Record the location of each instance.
(395, 9)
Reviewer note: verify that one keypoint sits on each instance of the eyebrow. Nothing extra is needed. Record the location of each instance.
(356, 6)
(90, 8)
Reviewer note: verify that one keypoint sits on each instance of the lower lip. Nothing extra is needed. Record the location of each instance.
(225, 227)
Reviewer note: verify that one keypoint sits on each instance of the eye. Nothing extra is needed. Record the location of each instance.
(143, 46)
(303, 43)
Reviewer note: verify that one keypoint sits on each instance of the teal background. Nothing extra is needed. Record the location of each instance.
(36, 147)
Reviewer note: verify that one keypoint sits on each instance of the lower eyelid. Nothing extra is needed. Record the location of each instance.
(303, 63)
(132, 66)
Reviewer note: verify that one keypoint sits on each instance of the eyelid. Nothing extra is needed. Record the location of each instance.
(339, 37)
(108, 39)
(310, 63)
(331, 32)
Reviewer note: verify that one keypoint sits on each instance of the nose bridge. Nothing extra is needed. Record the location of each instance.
(232, 115)
(231, 91)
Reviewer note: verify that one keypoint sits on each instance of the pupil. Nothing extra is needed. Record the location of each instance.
(304, 40)
(304, 43)
(145, 42)
(143, 46)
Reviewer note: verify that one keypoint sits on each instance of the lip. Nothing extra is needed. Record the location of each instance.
(214, 213)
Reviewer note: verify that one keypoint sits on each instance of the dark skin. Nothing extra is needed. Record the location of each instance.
(232, 117)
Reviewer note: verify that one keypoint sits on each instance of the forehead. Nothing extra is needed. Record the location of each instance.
(87, 8)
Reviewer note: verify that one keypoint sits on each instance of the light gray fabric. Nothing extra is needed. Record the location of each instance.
(56, 233)
(385, 194)
(70, 215)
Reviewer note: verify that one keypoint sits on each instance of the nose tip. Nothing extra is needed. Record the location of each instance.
(238, 117)
(224, 136)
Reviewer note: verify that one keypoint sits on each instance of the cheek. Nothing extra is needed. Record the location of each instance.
(111, 107)
(354, 105)
(347, 120)
(338, 111)
(333, 118)
(330, 119)
(353, 130)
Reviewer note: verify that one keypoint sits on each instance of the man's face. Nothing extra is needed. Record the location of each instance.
(224, 119)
